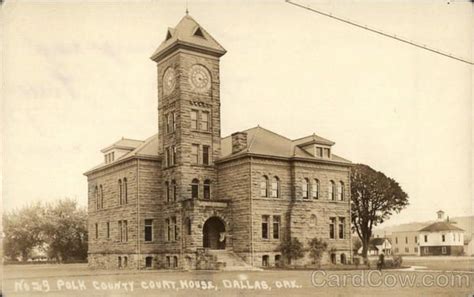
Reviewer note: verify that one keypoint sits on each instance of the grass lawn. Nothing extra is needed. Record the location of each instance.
(441, 263)
(78, 280)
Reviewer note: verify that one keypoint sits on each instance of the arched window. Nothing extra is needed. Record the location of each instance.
(275, 187)
(278, 260)
(207, 189)
(332, 190)
(340, 191)
(96, 194)
(120, 191)
(174, 188)
(264, 186)
(195, 189)
(125, 191)
(119, 262)
(148, 262)
(265, 261)
(313, 220)
(175, 262)
(125, 261)
(167, 192)
(305, 188)
(315, 189)
(101, 195)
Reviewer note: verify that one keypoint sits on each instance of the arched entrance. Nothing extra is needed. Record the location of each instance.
(214, 234)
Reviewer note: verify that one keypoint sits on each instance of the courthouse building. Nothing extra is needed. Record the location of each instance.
(187, 198)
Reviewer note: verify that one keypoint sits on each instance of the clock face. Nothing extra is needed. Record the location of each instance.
(199, 78)
(169, 80)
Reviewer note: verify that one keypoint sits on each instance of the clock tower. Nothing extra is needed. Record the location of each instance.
(188, 113)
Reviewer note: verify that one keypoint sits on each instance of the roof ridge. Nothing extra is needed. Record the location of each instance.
(273, 132)
(253, 139)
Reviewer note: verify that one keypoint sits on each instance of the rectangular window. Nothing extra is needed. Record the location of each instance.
(96, 230)
(195, 154)
(174, 121)
(327, 153)
(426, 238)
(416, 250)
(173, 155)
(443, 250)
(416, 239)
(406, 239)
(167, 157)
(407, 250)
(319, 151)
(175, 228)
(194, 119)
(148, 230)
(108, 229)
(205, 154)
(443, 238)
(332, 228)
(168, 230)
(276, 227)
(125, 231)
(205, 121)
(396, 240)
(265, 227)
(341, 227)
(119, 231)
(169, 123)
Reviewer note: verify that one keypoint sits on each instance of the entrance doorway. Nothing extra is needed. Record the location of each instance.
(214, 234)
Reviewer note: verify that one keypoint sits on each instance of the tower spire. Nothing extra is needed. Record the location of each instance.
(187, 10)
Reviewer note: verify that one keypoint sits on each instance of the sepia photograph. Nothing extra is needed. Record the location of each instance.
(237, 148)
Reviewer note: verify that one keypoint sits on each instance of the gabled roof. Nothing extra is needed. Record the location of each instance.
(124, 143)
(189, 33)
(378, 241)
(440, 226)
(261, 141)
(147, 148)
(313, 139)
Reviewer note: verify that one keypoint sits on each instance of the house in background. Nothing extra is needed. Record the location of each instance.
(405, 243)
(441, 238)
(378, 246)
(469, 246)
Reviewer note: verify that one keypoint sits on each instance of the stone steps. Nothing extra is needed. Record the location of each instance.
(229, 261)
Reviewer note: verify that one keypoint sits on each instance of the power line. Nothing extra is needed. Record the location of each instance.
(393, 36)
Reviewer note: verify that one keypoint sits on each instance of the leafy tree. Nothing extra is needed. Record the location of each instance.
(66, 230)
(59, 228)
(317, 247)
(356, 245)
(375, 197)
(23, 230)
(292, 249)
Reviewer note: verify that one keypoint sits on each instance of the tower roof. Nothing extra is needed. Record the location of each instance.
(188, 33)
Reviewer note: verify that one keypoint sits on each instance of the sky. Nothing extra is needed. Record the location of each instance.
(77, 77)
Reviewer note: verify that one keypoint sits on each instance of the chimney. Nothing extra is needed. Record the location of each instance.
(239, 141)
(440, 214)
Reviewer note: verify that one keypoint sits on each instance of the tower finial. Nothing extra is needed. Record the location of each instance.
(187, 10)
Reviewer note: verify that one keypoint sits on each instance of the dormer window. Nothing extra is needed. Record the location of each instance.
(109, 158)
(319, 151)
(168, 35)
(199, 33)
(327, 153)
